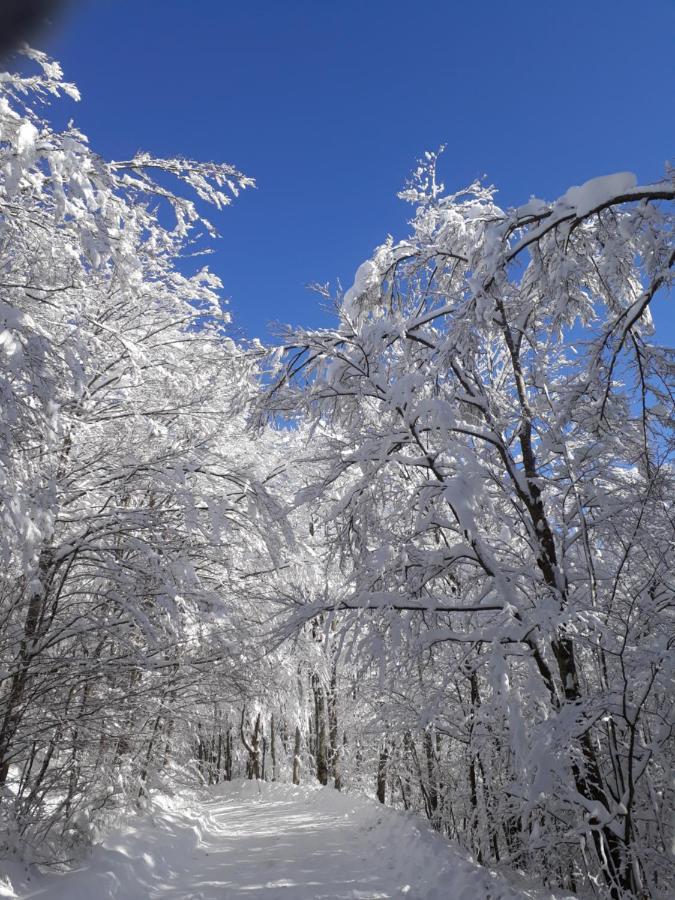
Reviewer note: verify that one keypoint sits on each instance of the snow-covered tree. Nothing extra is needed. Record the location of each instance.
(129, 494)
(442, 572)
(497, 477)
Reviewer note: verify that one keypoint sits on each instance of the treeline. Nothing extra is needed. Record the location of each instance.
(427, 553)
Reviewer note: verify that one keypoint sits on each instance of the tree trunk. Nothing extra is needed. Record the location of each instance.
(432, 787)
(32, 629)
(333, 731)
(382, 761)
(296, 756)
(253, 748)
(320, 731)
(273, 747)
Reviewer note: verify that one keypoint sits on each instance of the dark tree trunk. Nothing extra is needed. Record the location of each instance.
(382, 761)
(32, 630)
(432, 787)
(273, 747)
(296, 756)
(320, 730)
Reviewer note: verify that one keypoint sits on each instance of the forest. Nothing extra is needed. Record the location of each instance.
(424, 554)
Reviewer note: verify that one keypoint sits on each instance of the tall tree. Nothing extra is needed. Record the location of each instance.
(127, 480)
(499, 477)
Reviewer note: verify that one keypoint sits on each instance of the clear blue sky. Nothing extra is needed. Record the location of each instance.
(329, 104)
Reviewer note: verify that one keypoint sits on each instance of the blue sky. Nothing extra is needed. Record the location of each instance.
(329, 104)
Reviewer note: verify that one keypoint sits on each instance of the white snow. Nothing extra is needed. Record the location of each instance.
(533, 206)
(270, 842)
(367, 276)
(26, 137)
(597, 191)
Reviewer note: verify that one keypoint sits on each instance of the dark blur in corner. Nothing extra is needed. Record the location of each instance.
(22, 20)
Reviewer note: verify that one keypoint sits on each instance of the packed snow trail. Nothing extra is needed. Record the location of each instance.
(270, 842)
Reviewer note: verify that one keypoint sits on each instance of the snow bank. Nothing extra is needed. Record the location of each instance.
(268, 841)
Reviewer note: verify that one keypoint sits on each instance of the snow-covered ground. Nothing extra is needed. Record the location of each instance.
(268, 841)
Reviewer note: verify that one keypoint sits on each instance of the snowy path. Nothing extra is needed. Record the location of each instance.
(276, 841)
